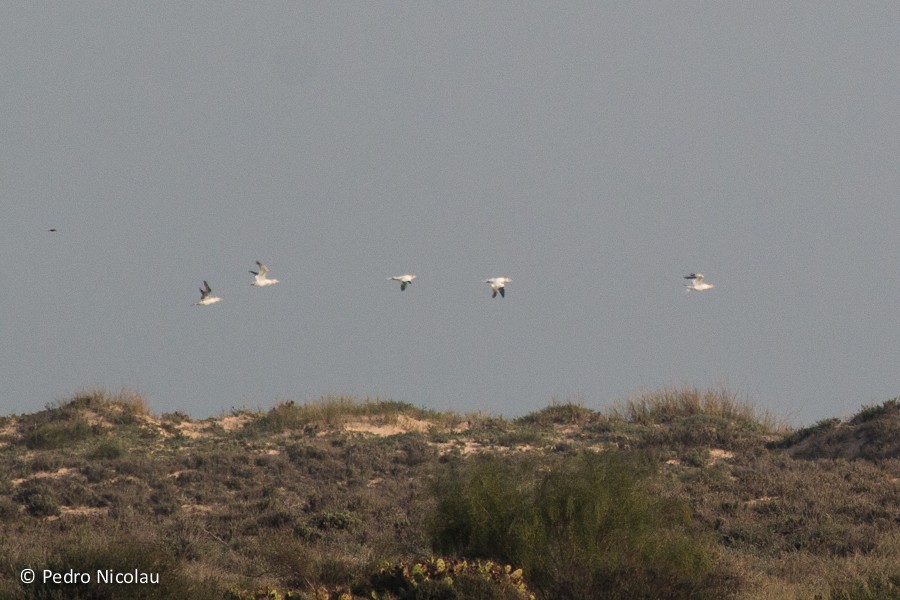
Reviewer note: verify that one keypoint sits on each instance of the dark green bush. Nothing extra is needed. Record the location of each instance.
(38, 498)
(335, 520)
(868, 413)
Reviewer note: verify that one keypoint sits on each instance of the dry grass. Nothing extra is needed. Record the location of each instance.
(331, 412)
(668, 404)
(100, 399)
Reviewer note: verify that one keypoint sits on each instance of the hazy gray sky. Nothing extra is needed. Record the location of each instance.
(593, 152)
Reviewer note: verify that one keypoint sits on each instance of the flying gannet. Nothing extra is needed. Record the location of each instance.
(697, 284)
(261, 279)
(498, 284)
(405, 280)
(205, 298)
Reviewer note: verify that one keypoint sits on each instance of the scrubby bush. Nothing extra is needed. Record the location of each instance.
(335, 520)
(331, 411)
(583, 528)
(8, 508)
(52, 435)
(38, 498)
(868, 413)
(567, 413)
(107, 449)
(874, 587)
(872, 434)
(89, 552)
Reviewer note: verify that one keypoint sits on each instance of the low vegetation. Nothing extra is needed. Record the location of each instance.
(679, 493)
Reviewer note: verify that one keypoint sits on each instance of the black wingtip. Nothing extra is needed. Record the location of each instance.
(503, 292)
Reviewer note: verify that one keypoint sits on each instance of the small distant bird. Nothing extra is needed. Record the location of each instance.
(52, 230)
(697, 284)
(205, 298)
(498, 284)
(404, 280)
(261, 279)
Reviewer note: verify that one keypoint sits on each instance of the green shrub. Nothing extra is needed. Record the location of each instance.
(107, 449)
(567, 413)
(335, 520)
(38, 499)
(50, 436)
(331, 411)
(584, 528)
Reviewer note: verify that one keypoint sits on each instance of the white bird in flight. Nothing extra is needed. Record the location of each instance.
(498, 284)
(261, 279)
(697, 284)
(205, 298)
(404, 280)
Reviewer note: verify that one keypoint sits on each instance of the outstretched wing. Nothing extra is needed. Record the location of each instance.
(262, 269)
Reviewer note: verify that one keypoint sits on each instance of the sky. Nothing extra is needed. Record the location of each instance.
(593, 152)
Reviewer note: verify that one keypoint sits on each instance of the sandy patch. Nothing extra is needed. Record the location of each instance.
(191, 430)
(198, 509)
(232, 422)
(84, 511)
(464, 447)
(718, 455)
(63, 472)
(403, 424)
(92, 417)
(761, 500)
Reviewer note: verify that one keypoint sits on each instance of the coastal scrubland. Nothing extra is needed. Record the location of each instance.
(675, 493)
